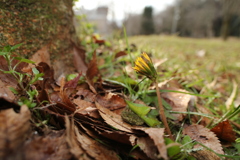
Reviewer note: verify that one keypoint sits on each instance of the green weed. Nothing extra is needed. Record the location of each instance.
(26, 91)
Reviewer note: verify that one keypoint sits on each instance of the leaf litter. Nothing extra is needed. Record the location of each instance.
(86, 123)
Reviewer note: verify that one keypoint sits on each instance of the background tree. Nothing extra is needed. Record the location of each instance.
(44, 27)
(147, 24)
(230, 18)
(201, 18)
(133, 24)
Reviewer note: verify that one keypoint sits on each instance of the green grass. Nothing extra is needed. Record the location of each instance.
(220, 63)
(221, 57)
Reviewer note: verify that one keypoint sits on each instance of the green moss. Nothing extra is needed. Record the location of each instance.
(36, 24)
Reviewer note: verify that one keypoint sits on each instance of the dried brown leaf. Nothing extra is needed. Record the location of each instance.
(42, 55)
(205, 155)
(118, 136)
(147, 145)
(156, 134)
(113, 119)
(48, 147)
(92, 72)
(179, 101)
(111, 101)
(14, 129)
(94, 148)
(73, 83)
(86, 108)
(5, 92)
(224, 131)
(79, 59)
(205, 136)
(75, 147)
(120, 54)
(86, 94)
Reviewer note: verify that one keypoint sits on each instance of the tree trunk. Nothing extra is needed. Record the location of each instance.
(45, 27)
(227, 9)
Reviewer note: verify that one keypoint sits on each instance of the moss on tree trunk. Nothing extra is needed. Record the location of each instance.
(40, 24)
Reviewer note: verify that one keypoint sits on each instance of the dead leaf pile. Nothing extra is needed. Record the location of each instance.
(84, 122)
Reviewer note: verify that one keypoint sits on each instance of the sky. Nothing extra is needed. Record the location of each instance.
(119, 8)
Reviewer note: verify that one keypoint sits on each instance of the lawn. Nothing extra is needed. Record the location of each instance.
(218, 63)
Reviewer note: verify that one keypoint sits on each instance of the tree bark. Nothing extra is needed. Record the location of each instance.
(46, 29)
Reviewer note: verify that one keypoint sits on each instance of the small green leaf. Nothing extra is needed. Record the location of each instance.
(40, 79)
(32, 105)
(142, 111)
(71, 76)
(35, 71)
(9, 72)
(150, 121)
(187, 142)
(16, 46)
(4, 53)
(139, 109)
(174, 152)
(27, 60)
(7, 48)
(13, 90)
(23, 60)
(238, 141)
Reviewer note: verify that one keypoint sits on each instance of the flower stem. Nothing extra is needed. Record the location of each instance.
(161, 112)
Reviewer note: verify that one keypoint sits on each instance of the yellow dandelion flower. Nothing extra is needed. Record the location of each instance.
(144, 66)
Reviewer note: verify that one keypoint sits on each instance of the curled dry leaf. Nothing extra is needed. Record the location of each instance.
(156, 134)
(112, 101)
(94, 148)
(86, 108)
(113, 119)
(84, 147)
(154, 145)
(205, 136)
(224, 132)
(71, 139)
(179, 101)
(147, 145)
(92, 72)
(120, 54)
(72, 83)
(79, 59)
(13, 131)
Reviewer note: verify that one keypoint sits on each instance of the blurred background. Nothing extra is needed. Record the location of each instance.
(186, 18)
